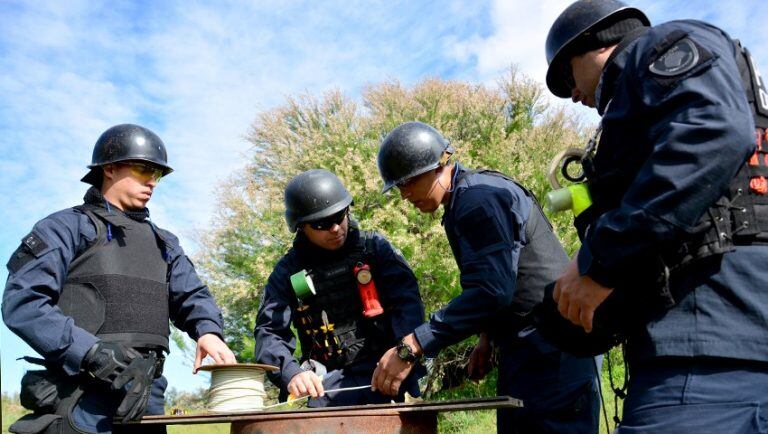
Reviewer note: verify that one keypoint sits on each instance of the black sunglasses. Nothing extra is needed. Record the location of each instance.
(328, 222)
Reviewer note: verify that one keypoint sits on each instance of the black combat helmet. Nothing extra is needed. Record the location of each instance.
(123, 143)
(576, 30)
(409, 150)
(313, 195)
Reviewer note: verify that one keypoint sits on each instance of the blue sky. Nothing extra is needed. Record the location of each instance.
(198, 73)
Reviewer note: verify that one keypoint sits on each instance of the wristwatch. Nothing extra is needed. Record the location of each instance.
(405, 352)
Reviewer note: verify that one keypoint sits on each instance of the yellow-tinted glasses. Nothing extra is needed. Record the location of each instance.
(144, 172)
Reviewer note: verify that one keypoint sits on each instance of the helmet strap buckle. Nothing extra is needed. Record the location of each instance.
(445, 158)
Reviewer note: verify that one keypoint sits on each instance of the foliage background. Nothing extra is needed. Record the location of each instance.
(508, 127)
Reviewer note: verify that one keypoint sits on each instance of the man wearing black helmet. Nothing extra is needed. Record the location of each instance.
(91, 289)
(348, 292)
(674, 242)
(506, 253)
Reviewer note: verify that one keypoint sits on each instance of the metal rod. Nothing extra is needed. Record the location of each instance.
(343, 389)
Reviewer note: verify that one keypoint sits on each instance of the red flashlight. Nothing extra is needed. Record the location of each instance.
(368, 294)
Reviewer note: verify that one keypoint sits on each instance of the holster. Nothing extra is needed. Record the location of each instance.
(51, 395)
(42, 390)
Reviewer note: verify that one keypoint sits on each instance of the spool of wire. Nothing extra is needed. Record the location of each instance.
(237, 387)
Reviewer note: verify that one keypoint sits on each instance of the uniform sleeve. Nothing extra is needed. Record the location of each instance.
(275, 341)
(701, 136)
(37, 272)
(191, 306)
(398, 289)
(489, 227)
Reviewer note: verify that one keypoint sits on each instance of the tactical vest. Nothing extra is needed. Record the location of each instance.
(537, 266)
(353, 337)
(739, 218)
(117, 289)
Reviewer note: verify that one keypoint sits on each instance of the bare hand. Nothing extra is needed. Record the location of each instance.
(392, 370)
(578, 296)
(305, 383)
(480, 359)
(211, 345)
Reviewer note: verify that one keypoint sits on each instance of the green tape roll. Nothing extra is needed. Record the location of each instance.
(302, 284)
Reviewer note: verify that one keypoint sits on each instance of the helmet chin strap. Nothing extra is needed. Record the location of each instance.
(445, 189)
(448, 189)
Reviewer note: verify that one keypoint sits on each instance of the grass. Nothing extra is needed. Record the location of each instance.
(12, 411)
(467, 422)
(616, 358)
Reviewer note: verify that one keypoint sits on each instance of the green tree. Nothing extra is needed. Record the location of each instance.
(508, 127)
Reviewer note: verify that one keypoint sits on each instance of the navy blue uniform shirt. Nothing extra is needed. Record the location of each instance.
(675, 132)
(395, 282)
(29, 301)
(485, 225)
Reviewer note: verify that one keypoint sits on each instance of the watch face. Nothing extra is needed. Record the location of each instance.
(364, 276)
(402, 352)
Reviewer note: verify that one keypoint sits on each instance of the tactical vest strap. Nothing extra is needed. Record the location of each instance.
(337, 296)
(737, 219)
(754, 85)
(533, 274)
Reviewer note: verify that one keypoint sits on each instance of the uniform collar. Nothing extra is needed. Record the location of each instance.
(458, 174)
(94, 197)
(613, 68)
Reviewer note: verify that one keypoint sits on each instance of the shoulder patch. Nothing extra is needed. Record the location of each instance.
(480, 228)
(678, 59)
(30, 248)
(34, 244)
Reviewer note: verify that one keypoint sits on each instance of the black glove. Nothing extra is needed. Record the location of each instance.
(140, 373)
(118, 365)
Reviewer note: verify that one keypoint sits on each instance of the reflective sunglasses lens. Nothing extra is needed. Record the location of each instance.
(328, 222)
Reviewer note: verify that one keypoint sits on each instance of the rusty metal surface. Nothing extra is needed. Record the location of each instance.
(308, 415)
(414, 423)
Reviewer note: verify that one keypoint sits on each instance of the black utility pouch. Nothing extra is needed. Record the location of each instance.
(43, 390)
(38, 424)
(40, 391)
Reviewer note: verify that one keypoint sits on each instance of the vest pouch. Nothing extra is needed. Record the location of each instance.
(41, 390)
(84, 302)
(38, 424)
(761, 215)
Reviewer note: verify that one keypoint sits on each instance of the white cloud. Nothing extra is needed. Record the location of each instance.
(519, 32)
